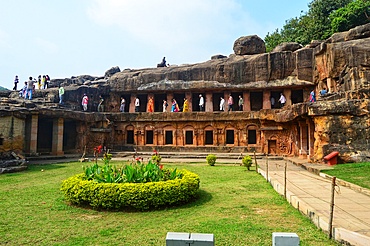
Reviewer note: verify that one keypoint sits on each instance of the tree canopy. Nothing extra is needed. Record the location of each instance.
(323, 18)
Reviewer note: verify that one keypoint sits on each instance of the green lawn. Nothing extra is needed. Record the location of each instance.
(356, 173)
(239, 207)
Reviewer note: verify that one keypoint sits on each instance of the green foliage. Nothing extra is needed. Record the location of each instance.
(138, 172)
(156, 158)
(142, 196)
(313, 25)
(354, 14)
(247, 161)
(211, 159)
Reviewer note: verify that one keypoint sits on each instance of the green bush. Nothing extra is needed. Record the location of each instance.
(247, 161)
(142, 196)
(211, 159)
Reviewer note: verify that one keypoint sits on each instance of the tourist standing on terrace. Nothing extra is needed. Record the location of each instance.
(230, 103)
(175, 106)
(312, 96)
(240, 103)
(165, 105)
(185, 107)
(201, 103)
(137, 104)
(16, 81)
(85, 102)
(282, 100)
(272, 100)
(150, 107)
(123, 104)
(222, 104)
(29, 88)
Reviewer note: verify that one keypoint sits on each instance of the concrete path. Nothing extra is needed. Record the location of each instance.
(311, 194)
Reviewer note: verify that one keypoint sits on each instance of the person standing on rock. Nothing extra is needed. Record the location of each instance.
(282, 100)
(230, 103)
(29, 88)
(16, 81)
(201, 103)
(85, 102)
(137, 104)
(61, 95)
(123, 105)
(222, 104)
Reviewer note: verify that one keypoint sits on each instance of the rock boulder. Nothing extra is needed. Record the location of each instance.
(249, 45)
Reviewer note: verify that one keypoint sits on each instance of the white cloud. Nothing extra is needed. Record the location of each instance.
(46, 45)
(171, 23)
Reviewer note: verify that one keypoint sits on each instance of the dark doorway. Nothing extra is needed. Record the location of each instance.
(256, 100)
(272, 147)
(195, 101)
(275, 101)
(158, 102)
(229, 136)
(189, 137)
(44, 135)
(127, 98)
(169, 137)
(252, 136)
(130, 137)
(216, 98)
(179, 97)
(297, 96)
(209, 138)
(149, 137)
(143, 102)
(69, 136)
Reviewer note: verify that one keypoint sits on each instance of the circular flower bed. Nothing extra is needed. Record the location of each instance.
(80, 191)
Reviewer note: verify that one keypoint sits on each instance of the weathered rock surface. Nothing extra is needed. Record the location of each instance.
(112, 71)
(288, 46)
(249, 45)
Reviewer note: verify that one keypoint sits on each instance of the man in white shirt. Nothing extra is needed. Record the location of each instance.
(282, 100)
(222, 104)
(137, 104)
(201, 103)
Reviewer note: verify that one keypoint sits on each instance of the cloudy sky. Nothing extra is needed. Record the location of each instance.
(65, 38)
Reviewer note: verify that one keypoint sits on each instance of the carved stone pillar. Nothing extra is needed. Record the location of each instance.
(34, 129)
(57, 139)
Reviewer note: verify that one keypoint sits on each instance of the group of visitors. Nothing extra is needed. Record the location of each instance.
(322, 92)
(230, 103)
(30, 85)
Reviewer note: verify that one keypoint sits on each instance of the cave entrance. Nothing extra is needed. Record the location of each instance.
(230, 137)
(168, 137)
(297, 96)
(256, 100)
(272, 147)
(44, 135)
(189, 137)
(209, 138)
(158, 102)
(216, 98)
(149, 137)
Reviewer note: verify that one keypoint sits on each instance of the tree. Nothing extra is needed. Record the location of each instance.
(354, 14)
(319, 12)
(313, 25)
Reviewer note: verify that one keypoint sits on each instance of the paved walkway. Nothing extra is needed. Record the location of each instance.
(307, 190)
(311, 194)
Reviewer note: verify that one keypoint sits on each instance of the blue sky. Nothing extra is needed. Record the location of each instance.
(65, 38)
